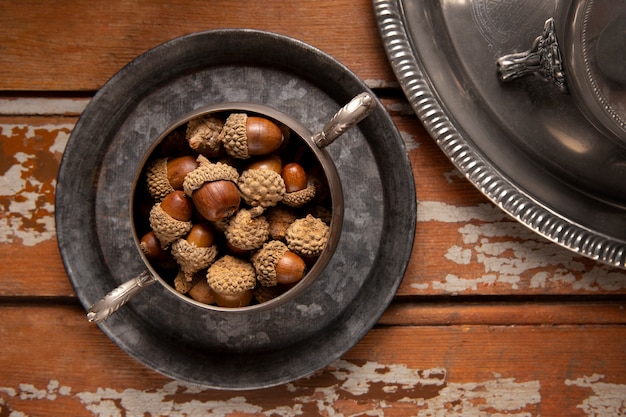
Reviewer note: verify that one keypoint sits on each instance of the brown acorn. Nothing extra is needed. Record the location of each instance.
(263, 135)
(241, 299)
(202, 292)
(290, 268)
(272, 162)
(244, 136)
(178, 168)
(294, 176)
(201, 235)
(151, 247)
(212, 188)
(178, 206)
(217, 200)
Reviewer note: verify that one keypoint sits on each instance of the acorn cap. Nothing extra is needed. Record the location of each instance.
(208, 172)
(264, 294)
(261, 187)
(247, 232)
(265, 261)
(300, 197)
(231, 276)
(156, 179)
(192, 258)
(203, 135)
(184, 281)
(166, 228)
(307, 236)
(279, 218)
(233, 136)
(321, 212)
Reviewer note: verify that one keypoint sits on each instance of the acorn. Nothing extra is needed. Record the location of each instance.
(245, 232)
(183, 283)
(213, 189)
(195, 251)
(178, 206)
(202, 292)
(279, 219)
(264, 294)
(294, 176)
(307, 236)
(151, 248)
(178, 168)
(261, 187)
(276, 264)
(290, 268)
(244, 136)
(232, 281)
(272, 162)
(203, 135)
(165, 175)
(170, 218)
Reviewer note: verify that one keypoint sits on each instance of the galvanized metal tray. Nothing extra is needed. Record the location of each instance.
(524, 144)
(219, 349)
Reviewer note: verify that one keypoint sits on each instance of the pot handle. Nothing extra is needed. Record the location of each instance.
(349, 115)
(110, 303)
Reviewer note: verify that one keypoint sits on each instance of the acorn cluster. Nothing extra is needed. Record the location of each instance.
(235, 209)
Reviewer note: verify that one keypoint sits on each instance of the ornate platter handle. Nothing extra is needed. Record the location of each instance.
(543, 58)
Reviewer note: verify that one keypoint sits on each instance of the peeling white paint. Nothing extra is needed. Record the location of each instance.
(381, 83)
(608, 400)
(409, 140)
(372, 386)
(28, 217)
(441, 212)
(42, 106)
(511, 254)
(453, 175)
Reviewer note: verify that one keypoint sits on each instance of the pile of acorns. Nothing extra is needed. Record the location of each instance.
(235, 210)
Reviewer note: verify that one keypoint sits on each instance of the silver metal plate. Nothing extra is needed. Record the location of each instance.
(524, 144)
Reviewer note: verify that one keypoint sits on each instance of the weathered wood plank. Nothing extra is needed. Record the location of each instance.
(393, 371)
(463, 245)
(480, 311)
(79, 45)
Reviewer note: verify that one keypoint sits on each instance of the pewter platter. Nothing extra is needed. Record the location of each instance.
(216, 348)
(523, 144)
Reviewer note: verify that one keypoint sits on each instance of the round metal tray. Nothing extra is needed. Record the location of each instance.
(215, 348)
(524, 144)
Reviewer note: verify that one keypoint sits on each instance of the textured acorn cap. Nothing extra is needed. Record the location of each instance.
(203, 135)
(300, 197)
(192, 258)
(265, 261)
(264, 294)
(307, 236)
(261, 187)
(166, 228)
(233, 136)
(321, 212)
(279, 218)
(231, 276)
(208, 172)
(184, 281)
(247, 232)
(156, 179)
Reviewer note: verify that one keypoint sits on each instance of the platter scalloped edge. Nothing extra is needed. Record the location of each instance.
(479, 172)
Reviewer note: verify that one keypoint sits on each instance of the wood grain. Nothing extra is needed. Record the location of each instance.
(490, 319)
(545, 370)
(78, 45)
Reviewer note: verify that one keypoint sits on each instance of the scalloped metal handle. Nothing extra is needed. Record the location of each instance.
(349, 115)
(110, 303)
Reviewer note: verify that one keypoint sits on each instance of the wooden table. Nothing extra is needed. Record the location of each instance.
(490, 319)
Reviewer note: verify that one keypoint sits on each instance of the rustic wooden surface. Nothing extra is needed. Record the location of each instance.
(490, 319)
